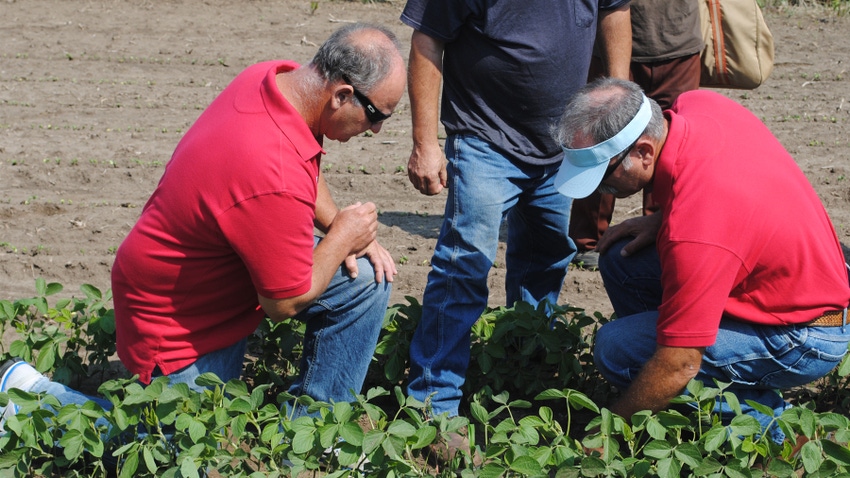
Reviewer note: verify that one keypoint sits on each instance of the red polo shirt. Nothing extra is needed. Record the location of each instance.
(231, 217)
(744, 235)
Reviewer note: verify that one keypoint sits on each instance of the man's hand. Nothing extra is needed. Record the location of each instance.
(427, 165)
(644, 229)
(381, 261)
(356, 226)
(427, 169)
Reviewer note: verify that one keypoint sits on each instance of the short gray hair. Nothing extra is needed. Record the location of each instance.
(363, 63)
(599, 117)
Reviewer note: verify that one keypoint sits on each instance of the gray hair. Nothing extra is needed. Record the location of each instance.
(365, 63)
(601, 109)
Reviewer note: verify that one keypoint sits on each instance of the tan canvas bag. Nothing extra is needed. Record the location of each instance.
(738, 49)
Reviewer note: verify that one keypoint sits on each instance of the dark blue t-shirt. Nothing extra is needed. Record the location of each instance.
(510, 66)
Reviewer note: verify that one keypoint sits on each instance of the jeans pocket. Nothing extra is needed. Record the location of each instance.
(812, 356)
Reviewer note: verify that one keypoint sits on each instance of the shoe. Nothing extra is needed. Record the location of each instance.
(444, 451)
(587, 260)
(15, 373)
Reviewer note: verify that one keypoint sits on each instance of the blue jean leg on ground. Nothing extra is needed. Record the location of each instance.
(484, 188)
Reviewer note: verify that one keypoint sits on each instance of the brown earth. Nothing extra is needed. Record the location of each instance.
(94, 96)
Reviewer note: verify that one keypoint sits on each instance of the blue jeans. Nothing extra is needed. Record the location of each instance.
(758, 360)
(484, 187)
(342, 329)
(343, 325)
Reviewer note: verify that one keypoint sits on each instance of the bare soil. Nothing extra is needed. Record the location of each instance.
(95, 95)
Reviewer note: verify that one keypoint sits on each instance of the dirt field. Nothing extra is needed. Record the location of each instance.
(94, 96)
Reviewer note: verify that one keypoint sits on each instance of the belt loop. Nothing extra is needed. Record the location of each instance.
(844, 321)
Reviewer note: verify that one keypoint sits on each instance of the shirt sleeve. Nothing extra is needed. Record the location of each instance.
(612, 4)
(697, 280)
(273, 235)
(440, 19)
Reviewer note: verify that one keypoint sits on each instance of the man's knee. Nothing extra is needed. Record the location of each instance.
(606, 346)
(367, 288)
(611, 261)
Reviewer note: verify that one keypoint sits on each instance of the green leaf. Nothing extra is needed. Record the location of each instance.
(657, 449)
(550, 394)
(715, 437)
(709, 466)
(53, 288)
(40, 287)
(745, 425)
(526, 465)
(131, 464)
(808, 422)
(8, 311)
(240, 405)
(372, 440)
(763, 409)
(342, 412)
(348, 455)
(669, 468)
(424, 437)
(328, 435)
(781, 469)
(689, 454)
(479, 413)
(303, 440)
(150, 461)
(91, 292)
(46, 358)
(546, 414)
(401, 428)
(495, 470)
(208, 379)
(72, 444)
(836, 452)
(107, 322)
(655, 429)
(844, 367)
(352, 433)
(810, 453)
(19, 348)
(735, 470)
(580, 400)
(197, 430)
(188, 469)
(592, 466)
(393, 447)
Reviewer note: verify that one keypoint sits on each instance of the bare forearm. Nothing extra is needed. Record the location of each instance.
(660, 380)
(326, 208)
(425, 76)
(615, 35)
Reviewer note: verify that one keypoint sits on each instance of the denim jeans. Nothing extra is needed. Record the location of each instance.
(343, 325)
(757, 360)
(342, 330)
(484, 188)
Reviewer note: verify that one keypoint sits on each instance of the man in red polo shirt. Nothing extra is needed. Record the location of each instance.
(227, 237)
(746, 283)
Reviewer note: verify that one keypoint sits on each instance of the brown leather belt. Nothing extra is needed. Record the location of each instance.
(833, 318)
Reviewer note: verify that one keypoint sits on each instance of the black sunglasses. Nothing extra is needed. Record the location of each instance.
(616, 164)
(373, 114)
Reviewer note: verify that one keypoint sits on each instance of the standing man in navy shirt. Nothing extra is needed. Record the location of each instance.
(506, 69)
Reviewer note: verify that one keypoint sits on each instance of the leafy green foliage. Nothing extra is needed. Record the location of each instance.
(530, 410)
